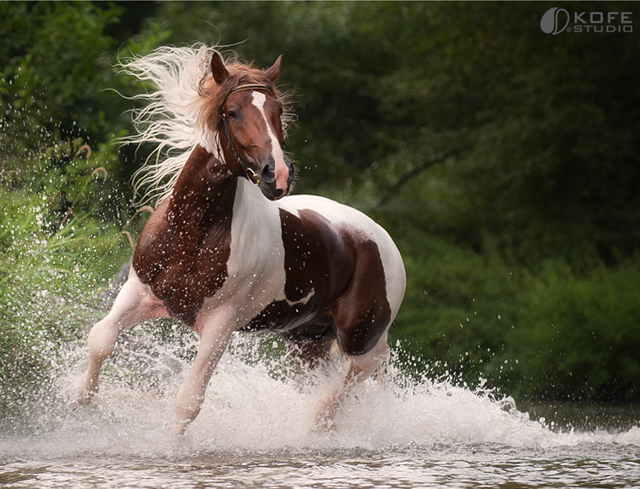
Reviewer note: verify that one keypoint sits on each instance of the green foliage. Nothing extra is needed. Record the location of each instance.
(577, 333)
(54, 60)
(457, 308)
(63, 204)
(59, 79)
(551, 334)
(504, 161)
(52, 266)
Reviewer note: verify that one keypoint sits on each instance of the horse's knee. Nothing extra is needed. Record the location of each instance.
(134, 304)
(102, 338)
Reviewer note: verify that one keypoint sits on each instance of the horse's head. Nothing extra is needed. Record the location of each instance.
(250, 127)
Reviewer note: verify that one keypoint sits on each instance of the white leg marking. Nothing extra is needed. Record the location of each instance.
(134, 304)
(216, 326)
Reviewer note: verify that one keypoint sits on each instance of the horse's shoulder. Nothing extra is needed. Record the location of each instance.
(155, 227)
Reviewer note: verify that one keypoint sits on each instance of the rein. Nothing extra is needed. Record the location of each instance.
(251, 175)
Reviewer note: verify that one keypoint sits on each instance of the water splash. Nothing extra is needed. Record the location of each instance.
(256, 402)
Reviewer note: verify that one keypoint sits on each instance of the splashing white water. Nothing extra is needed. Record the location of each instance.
(255, 402)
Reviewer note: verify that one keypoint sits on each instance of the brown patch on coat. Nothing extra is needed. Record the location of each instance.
(362, 313)
(344, 271)
(183, 250)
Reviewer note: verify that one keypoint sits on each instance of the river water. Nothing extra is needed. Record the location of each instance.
(256, 431)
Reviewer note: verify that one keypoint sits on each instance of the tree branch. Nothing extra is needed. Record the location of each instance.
(393, 189)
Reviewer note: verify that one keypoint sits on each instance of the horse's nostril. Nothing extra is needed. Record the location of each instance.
(268, 175)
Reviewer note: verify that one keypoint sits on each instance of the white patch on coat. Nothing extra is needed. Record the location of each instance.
(304, 300)
(256, 270)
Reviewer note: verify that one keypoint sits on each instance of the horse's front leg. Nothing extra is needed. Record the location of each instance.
(215, 328)
(134, 304)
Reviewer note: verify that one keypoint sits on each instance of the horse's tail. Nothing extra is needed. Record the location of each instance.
(169, 117)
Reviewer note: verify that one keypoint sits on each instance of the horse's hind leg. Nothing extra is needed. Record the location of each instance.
(362, 336)
(310, 344)
(362, 317)
(360, 368)
(134, 304)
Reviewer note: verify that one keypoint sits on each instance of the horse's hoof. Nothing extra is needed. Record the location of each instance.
(323, 425)
(178, 430)
(78, 393)
(85, 398)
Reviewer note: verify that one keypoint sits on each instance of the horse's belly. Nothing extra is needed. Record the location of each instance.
(280, 316)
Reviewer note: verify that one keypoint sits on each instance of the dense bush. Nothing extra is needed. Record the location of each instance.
(549, 333)
(576, 334)
(62, 205)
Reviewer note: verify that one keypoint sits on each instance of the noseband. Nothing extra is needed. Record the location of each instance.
(251, 175)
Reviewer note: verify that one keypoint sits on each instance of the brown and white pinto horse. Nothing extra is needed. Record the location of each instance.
(229, 250)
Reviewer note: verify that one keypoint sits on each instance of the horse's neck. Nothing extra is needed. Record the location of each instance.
(210, 204)
(203, 193)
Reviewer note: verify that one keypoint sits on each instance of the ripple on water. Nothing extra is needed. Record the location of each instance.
(255, 430)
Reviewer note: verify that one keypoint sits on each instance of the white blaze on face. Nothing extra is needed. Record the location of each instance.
(281, 170)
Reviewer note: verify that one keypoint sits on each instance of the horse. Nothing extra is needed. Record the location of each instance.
(229, 249)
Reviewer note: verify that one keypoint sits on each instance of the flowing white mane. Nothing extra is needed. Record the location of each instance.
(169, 118)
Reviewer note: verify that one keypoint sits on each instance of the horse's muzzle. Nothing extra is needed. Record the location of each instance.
(276, 182)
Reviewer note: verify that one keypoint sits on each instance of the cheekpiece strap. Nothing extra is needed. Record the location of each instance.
(252, 175)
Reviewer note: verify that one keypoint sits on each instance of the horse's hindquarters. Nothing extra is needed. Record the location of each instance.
(351, 262)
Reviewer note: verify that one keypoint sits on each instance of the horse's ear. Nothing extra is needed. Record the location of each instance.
(273, 72)
(218, 70)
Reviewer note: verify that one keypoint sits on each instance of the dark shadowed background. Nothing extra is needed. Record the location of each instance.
(504, 161)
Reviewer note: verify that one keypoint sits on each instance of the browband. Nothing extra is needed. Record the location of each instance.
(250, 86)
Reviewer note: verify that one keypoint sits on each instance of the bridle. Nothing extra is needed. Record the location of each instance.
(251, 175)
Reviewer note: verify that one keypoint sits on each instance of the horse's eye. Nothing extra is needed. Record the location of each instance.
(232, 115)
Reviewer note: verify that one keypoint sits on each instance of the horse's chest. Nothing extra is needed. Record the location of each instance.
(183, 270)
(184, 285)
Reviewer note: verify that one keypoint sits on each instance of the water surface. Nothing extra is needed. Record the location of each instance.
(256, 430)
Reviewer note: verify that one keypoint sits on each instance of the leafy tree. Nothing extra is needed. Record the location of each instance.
(56, 67)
